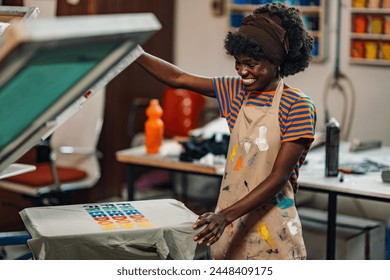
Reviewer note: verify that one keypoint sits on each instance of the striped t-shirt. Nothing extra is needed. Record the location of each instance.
(297, 112)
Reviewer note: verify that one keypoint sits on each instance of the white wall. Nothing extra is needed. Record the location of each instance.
(199, 49)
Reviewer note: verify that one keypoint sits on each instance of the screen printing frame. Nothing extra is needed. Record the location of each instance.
(12, 13)
(21, 44)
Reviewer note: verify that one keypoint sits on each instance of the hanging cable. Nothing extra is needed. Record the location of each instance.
(334, 82)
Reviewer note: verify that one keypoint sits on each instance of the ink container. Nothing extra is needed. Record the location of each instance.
(332, 144)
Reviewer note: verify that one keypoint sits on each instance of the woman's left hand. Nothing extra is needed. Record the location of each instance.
(216, 224)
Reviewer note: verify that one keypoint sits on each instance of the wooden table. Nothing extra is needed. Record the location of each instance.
(137, 157)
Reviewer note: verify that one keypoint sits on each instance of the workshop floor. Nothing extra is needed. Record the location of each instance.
(12, 252)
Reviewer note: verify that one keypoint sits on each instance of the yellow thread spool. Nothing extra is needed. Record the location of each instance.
(371, 50)
(359, 3)
(386, 50)
(376, 24)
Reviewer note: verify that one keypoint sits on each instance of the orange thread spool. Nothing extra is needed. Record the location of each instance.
(386, 4)
(357, 50)
(387, 25)
(360, 24)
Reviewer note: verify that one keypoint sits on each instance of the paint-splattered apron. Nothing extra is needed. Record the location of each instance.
(272, 231)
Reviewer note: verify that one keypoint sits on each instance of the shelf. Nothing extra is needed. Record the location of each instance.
(363, 61)
(370, 11)
(370, 36)
(317, 59)
(376, 44)
(250, 8)
(316, 34)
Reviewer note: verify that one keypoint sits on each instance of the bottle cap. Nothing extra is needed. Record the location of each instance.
(333, 122)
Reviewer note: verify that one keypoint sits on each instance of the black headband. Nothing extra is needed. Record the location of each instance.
(267, 31)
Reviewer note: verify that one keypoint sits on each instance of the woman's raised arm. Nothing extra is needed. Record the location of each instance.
(175, 77)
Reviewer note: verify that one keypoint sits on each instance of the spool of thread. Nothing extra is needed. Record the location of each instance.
(357, 49)
(373, 4)
(385, 50)
(386, 25)
(360, 24)
(359, 3)
(386, 4)
(376, 24)
(371, 48)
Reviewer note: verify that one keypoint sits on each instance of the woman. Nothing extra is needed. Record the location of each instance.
(272, 126)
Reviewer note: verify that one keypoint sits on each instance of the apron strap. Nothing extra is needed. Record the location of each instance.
(278, 95)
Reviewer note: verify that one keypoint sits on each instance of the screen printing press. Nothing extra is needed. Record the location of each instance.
(46, 68)
(48, 65)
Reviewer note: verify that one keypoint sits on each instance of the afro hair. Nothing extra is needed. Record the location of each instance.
(300, 41)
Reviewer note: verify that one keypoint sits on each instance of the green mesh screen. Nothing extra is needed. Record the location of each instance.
(47, 77)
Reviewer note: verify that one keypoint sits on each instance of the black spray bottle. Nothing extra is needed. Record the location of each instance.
(332, 148)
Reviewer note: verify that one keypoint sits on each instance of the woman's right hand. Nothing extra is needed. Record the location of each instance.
(215, 225)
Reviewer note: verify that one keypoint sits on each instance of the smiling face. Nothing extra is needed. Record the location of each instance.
(257, 75)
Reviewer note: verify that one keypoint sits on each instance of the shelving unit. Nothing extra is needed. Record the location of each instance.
(370, 33)
(314, 17)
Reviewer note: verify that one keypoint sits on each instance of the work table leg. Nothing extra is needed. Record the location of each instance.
(331, 229)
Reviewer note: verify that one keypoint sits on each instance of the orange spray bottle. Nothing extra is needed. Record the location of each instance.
(154, 127)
